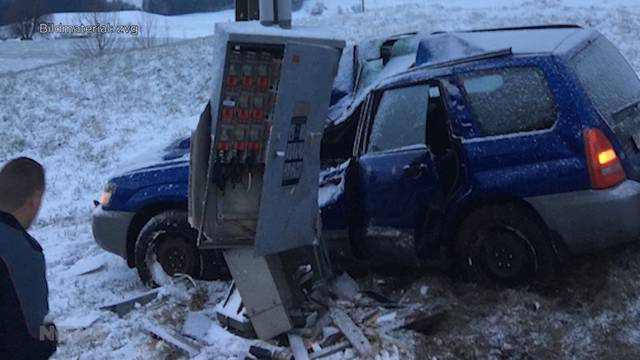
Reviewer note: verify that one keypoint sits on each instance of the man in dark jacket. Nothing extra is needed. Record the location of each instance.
(24, 293)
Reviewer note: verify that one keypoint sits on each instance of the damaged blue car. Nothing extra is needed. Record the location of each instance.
(497, 150)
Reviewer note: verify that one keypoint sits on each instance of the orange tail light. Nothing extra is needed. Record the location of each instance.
(605, 169)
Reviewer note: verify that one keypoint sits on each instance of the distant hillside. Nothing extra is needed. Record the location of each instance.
(174, 7)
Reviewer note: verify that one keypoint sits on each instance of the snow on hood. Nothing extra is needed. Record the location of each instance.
(156, 156)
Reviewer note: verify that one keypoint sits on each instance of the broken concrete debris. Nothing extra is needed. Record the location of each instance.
(196, 326)
(364, 321)
(344, 287)
(364, 326)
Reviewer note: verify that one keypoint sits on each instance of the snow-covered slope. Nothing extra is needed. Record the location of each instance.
(83, 118)
(178, 26)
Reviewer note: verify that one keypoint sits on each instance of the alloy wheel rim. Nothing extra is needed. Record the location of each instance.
(506, 252)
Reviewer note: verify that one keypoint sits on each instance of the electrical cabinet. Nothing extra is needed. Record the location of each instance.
(255, 160)
(255, 157)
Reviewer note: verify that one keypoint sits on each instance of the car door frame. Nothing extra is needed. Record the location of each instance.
(357, 231)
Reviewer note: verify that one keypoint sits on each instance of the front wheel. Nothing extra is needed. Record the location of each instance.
(166, 246)
(505, 244)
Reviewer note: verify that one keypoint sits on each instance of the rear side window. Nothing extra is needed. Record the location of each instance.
(510, 100)
(607, 77)
(400, 119)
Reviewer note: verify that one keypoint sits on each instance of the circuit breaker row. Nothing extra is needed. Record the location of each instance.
(248, 99)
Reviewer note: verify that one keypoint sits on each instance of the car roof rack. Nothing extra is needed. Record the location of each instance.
(462, 60)
(481, 56)
(525, 27)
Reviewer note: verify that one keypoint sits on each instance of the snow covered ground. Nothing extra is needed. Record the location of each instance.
(83, 117)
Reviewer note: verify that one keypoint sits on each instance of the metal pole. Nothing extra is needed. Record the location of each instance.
(247, 10)
(275, 12)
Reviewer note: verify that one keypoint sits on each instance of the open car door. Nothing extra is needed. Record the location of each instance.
(397, 177)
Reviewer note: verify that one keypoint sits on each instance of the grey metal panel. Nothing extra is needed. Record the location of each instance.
(199, 165)
(263, 288)
(267, 38)
(228, 219)
(201, 200)
(289, 204)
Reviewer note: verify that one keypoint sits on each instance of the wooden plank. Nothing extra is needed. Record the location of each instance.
(297, 347)
(330, 350)
(351, 331)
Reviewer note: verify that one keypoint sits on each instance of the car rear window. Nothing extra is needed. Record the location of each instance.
(510, 100)
(607, 77)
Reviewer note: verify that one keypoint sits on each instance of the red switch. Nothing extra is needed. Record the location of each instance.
(295, 58)
(261, 83)
(223, 145)
(243, 115)
(232, 81)
(227, 114)
(257, 114)
(247, 81)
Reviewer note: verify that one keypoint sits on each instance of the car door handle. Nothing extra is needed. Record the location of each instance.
(414, 170)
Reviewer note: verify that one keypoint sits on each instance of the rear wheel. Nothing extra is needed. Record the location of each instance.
(505, 244)
(166, 246)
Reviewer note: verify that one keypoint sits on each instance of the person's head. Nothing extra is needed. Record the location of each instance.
(21, 188)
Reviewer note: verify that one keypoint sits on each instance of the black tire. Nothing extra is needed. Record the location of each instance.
(506, 245)
(170, 239)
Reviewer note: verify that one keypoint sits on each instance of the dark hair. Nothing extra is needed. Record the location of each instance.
(19, 179)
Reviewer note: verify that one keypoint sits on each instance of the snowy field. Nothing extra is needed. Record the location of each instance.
(19, 55)
(83, 117)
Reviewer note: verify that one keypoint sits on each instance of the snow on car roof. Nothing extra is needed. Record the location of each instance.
(456, 45)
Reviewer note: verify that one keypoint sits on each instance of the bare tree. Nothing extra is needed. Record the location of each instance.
(26, 16)
(147, 35)
(99, 37)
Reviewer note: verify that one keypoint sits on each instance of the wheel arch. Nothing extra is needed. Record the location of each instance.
(463, 212)
(142, 216)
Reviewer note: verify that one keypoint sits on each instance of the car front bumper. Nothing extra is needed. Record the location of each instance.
(110, 230)
(593, 219)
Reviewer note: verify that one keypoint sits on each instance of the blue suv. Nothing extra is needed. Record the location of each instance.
(142, 217)
(498, 149)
